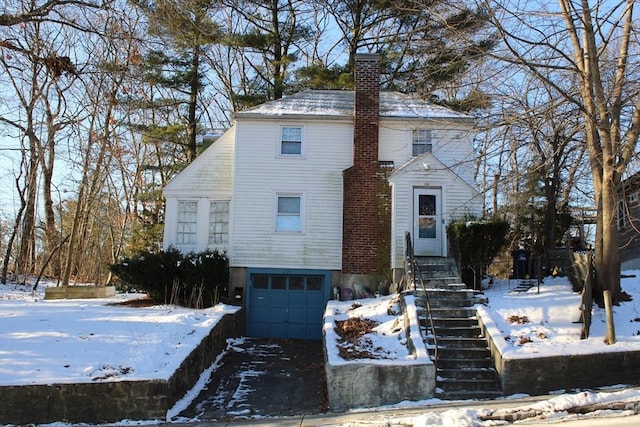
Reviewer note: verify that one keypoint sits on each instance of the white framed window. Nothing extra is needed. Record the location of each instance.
(421, 142)
(289, 212)
(633, 198)
(187, 222)
(291, 141)
(622, 214)
(218, 222)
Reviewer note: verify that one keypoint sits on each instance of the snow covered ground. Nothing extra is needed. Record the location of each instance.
(75, 341)
(43, 342)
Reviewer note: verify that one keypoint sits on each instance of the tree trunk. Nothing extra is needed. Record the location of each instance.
(608, 272)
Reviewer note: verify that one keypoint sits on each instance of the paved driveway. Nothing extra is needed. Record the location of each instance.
(261, 377)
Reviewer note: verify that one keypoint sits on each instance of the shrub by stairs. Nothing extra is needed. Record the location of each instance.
(464, 366)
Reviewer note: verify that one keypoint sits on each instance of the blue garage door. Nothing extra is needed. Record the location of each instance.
(287, 303)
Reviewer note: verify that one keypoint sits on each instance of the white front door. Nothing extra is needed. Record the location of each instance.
(427, 222)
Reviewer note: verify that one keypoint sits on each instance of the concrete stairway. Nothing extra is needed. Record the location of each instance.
(464, 366)
(436, 271)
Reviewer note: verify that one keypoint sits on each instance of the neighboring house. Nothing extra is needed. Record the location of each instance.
(316, 191)
(628, 221)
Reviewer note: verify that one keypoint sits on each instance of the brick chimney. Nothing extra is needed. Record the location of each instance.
(363, 234)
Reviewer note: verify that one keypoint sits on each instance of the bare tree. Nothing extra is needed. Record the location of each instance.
(595, 44)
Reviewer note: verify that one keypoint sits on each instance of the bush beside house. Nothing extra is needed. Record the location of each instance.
(194, 279)
(474, 243)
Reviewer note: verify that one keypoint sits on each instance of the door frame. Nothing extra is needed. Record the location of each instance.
(436, 247)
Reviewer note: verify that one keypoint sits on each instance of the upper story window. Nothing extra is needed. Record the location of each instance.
(421, 142)
(289, 212)
(291, 141)
(187, 221)
(218, 223)
(633, 198)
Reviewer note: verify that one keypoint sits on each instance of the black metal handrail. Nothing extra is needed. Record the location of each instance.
(411, 270)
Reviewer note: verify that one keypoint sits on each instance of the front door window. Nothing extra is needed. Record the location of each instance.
(427, 216)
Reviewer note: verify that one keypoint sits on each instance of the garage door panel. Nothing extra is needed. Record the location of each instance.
(297, 315)
(298, 331)
(285, 305)
(278, 330)
(277, 314)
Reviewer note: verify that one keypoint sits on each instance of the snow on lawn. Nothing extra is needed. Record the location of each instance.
(44, 342)
(543, 322)
(76, 341)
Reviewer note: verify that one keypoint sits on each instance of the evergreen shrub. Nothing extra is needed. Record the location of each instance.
(193, 280)
(474, 243)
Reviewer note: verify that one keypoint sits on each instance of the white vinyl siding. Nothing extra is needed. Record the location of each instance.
(458, 199)
(209, 175)
(207, 179)
(259, 177)
(187, 222)
(451, 143)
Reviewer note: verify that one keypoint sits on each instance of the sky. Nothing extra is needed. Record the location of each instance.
(46, 341)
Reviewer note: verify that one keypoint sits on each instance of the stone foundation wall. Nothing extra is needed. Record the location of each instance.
(104, 402)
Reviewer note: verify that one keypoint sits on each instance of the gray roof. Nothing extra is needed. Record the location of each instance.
(339, 103)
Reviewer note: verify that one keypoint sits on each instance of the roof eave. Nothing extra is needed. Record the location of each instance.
(302, 116)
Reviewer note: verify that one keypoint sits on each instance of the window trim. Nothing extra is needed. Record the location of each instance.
(633, 198)
(194, 234)
(281, 140)
(428, 144)
(277, 215)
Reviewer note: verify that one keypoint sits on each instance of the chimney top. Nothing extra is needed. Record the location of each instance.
(367, 57)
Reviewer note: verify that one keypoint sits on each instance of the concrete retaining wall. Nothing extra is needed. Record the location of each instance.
(114, 401)
(541, 375)
(370, 383)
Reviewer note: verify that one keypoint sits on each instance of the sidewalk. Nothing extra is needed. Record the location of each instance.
(386, 417)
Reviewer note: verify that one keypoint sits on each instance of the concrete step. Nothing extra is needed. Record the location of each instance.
(443, 312)
(446, 293)
(468, 394)
(457, 384)
(469, 373)
(436, 283)
(463, 353)
(445, 303)
(482, 362)
(457, 342)
(462, 331)
(455, 322)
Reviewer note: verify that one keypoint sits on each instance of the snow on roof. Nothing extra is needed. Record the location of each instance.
(339, 103)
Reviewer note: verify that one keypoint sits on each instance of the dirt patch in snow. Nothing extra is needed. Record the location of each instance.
(354, 343)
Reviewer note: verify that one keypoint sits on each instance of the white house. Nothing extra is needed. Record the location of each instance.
(317, 190)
